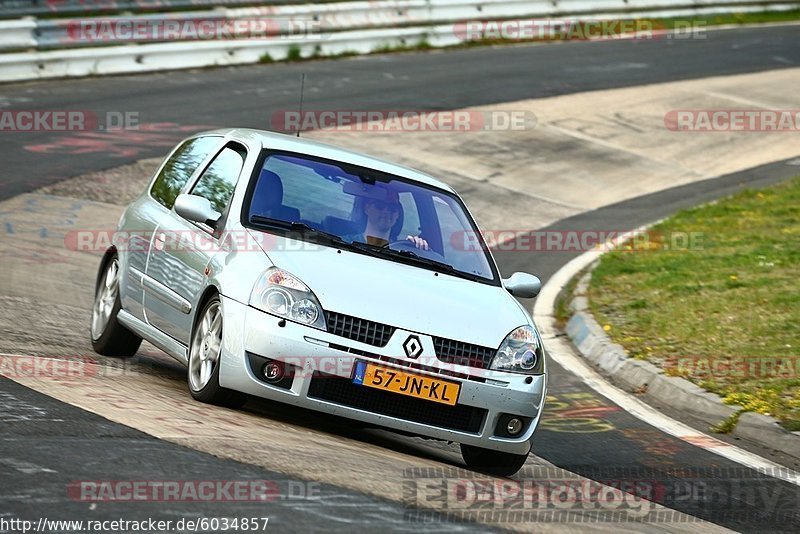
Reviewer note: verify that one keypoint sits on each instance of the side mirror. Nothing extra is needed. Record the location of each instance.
(196, 209)
(523, 285)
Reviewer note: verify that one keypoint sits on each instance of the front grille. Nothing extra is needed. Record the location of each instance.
(460, 353)
(360, 330)
(343, 391)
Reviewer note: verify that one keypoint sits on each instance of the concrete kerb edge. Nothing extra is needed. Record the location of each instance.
(649, 382)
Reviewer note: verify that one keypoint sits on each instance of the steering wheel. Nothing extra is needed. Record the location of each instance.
(405, 244)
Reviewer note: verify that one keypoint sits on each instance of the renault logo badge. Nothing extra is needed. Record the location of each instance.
(413, 347)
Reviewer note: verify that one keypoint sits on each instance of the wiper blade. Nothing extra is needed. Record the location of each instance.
(317, 235)
(299, 227)
(422, 259)
(410, 255)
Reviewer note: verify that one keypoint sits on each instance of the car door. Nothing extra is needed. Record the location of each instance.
(182, 249)
(144, 216)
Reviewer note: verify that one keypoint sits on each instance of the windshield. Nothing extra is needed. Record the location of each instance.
(364, 206)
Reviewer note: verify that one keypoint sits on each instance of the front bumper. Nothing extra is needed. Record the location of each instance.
(485, 397)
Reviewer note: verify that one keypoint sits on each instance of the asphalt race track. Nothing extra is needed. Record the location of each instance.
(38, 430)
(248, 96)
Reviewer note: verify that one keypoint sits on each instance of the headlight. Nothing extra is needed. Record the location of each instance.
(520, 352)
(280, 293)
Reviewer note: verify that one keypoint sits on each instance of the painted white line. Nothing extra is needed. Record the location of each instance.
(740, 100)
(562, 352)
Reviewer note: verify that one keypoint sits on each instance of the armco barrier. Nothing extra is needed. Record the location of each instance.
(17, 34)
(39, 8)
(168, 56)
(341, 16)
(64, 33)
(354, 27)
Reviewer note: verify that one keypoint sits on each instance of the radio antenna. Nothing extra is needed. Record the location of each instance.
(302, 88)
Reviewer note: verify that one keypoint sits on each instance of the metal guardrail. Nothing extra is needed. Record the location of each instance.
(355, 28)
(39, 8)
(48, 34)
(68, 33)
(17, 34)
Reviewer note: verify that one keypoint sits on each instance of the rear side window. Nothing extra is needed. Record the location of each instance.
(179, 168)
(219, 179)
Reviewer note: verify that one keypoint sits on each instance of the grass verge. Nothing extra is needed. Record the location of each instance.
(563, 312)
(713, 295)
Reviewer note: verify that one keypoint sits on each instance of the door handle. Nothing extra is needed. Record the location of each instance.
(159, 241)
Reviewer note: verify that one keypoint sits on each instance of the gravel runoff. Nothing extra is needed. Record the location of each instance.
(119, 185)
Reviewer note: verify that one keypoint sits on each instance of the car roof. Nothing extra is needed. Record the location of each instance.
(291, 143)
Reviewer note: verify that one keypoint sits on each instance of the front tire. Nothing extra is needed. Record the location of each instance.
(492, 462)
(205, 352)
(109, 337)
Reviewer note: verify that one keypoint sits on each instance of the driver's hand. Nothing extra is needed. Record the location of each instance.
(418, 242)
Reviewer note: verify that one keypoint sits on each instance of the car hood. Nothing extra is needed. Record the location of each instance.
(398, 294)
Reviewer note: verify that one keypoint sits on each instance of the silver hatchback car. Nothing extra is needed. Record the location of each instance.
(303, 273)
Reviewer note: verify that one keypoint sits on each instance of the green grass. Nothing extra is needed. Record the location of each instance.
(294, 53)
(726, 426)
(563, 312)
(756, 17)
(720, 19)
(724, 314)
(422, 44)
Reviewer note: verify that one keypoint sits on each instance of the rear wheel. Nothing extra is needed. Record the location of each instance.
(205, 352)
(109, 337)
(492, 462)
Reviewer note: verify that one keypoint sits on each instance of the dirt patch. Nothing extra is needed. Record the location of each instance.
(119, 185)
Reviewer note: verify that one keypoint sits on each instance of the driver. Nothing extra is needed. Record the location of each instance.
(381, 217)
